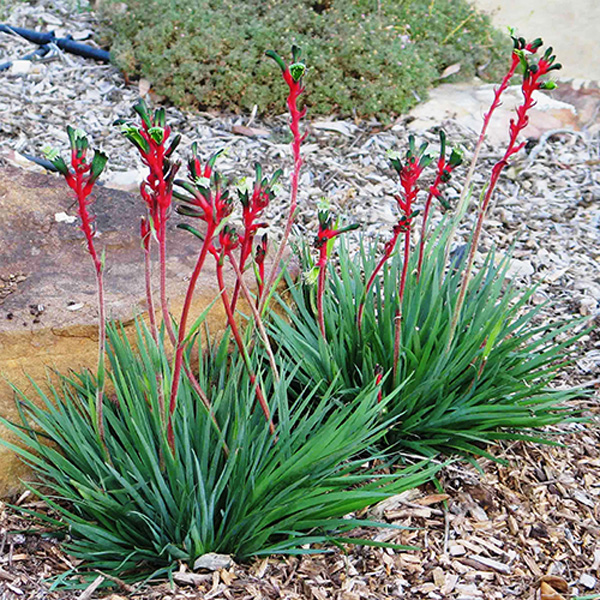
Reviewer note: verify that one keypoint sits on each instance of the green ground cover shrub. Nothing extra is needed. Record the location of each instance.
(368, 57)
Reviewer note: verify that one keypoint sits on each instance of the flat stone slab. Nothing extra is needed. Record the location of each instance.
(467, 103)
(571, 28)
(48, 309)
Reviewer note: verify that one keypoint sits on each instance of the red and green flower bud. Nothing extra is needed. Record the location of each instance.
(98, 163)
(297, 70)
(141, 108)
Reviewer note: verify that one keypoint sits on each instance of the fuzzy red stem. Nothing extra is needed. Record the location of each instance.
(101, 354)
(296, 115)
(322, 264)
(388, 252)
(162, 258)
(529, 86)
(149, 294)
(242, 348)
(486, 121)
(183, 327)
(256, 315)
(436, 184)
(81, 191)
(398, 318)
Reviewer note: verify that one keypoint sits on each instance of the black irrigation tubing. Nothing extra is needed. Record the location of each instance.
(44, 39)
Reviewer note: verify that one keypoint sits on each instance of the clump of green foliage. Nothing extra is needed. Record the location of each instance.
(276, 444)
(136, 508)
(366, 57)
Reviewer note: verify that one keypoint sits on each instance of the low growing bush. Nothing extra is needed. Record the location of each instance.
(366, 57)
(490, 380)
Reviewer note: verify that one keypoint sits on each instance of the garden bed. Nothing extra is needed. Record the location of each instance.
(489, 534)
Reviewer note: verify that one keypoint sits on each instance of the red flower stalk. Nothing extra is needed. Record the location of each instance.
(416, 161)
(444, 170)
(211, 204)
(259, 259)
(292, 76)
(325, 234)
(256, 315)
(253, 205)
(519, 47)
(157, 189)
(378, 380)
(212, 208)
(410, 172)
(145, 234)
(532, 81)
(81, 178)
(229, 241)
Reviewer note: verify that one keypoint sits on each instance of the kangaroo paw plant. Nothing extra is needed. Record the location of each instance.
(286, 426)
(464, 359)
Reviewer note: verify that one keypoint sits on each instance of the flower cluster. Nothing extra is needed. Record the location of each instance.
(254, 202)
(533, 72)
(150, 139)
(326, 233)
(208, 201)
(444, 171)
(204, 198)
(293, 76)
(81, 178)
(445, 166)
(409, 172)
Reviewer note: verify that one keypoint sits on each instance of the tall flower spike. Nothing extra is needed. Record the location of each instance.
(81, 178)
(293, 75)
(209, 203)
(533, 74)
(409, 171)
(259, 259)
(416, 161)
(254, 201)
(150, 139)
(520, 47)
(444, 170)
(326, 233)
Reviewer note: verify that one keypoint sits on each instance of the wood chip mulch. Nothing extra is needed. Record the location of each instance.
(494, 534)
(521, 529)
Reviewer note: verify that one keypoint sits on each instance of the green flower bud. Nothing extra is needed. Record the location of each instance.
(297, 70)
(157, 134)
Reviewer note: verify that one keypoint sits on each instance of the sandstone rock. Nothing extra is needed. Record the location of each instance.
(48, 312)
(578, 53)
